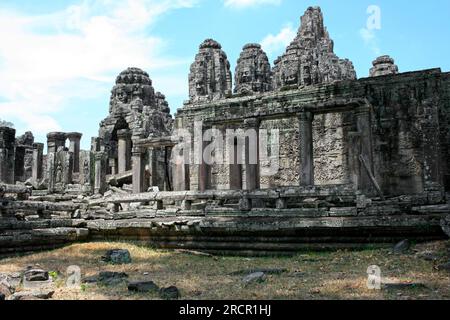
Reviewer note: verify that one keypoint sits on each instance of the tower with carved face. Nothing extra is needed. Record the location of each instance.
(253, 73)
(310, 58)
(135, 112)
(210, 75)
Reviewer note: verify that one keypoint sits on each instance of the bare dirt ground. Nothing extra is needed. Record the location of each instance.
(329, 275)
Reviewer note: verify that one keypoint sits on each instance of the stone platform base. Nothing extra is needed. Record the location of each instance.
(259, 235)
(28, 236)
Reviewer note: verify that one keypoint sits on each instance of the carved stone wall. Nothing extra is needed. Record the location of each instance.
(59, 170)
(331, 147)
(289, 160)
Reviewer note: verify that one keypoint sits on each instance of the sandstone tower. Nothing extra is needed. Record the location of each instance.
(253, 72)
(210, 76)
(310, 58)
(136, 111)
(382, 66)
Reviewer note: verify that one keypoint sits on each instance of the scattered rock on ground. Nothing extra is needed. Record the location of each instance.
(12, 281)
(91, 279)
(256, 277)
(39, 294)
(5, 290)
(32, 275)
(274, 271)
(109, 278)
(402, 247)
(170, 293)
(427, 255)
(403, 286)
(117, 256)
(445, 224)
(143, 286)
(444, 267)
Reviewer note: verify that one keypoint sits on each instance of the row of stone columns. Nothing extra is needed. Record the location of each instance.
(158, 174)
(306, 154)
(252, 170)
(57, 140)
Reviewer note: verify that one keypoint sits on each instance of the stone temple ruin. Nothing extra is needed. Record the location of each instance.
(358, 161)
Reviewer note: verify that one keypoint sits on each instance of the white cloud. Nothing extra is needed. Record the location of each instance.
(276, 44)
(370, 39)
(46, 60)
(239, 4)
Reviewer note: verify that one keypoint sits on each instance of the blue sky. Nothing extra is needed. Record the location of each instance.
(59, 59)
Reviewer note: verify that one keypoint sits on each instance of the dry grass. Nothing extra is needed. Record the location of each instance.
(333, 275)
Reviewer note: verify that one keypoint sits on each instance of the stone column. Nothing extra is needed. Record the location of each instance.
(432, 170)
(112, 166)
(96, 144)
(7, 152)
(74, 138)
(19, 163)
(181, 173)
(138, 168)
(363, 123)
(157, 167)
(252, 154)
(55, 140)
(204, 171)
(306, 149)
(100, 172)
(236, 167)
(124, 146)
(38, 153)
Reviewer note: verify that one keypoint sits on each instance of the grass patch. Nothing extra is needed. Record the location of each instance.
(311, 275)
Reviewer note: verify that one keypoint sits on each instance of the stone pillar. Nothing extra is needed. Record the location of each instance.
(252, 154)
(85, 168)
(38, 153)
(112, 166)
(51, 171)
(96, 144)
(363, 123)
(204, 170)
(19, 163)
(138, 168)
(124, 150)
(168, 177)
(432, 170)
(181, 175)
(306, 149)
(7, 152)
(74, 138)
(100, 172)
(157, 168)
(55, 140)
(236, 167)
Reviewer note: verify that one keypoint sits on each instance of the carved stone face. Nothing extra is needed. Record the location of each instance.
(122, 96)
(290, 76)
(200, 82)
(247, 75)
(138, 92)
(200, 88)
